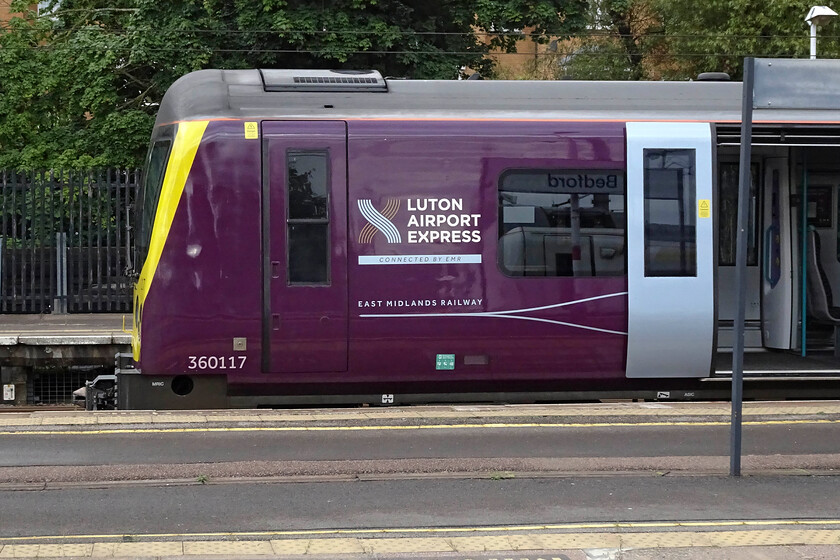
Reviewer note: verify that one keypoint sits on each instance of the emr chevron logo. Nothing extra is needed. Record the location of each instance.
(379, 221)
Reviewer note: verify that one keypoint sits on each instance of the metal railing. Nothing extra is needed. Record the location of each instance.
(66, 241)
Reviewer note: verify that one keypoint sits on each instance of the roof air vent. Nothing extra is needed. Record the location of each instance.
(323, 80)
(713, 77)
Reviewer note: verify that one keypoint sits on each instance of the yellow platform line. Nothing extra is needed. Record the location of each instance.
(564, 425)
(520, 542)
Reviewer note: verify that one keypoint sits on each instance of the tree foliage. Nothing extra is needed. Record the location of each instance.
(664, 39)
(622, 39)
(80, 83)
(615, 48)
(716, 35)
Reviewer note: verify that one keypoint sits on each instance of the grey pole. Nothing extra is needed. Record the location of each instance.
(60, 303)
(741, 269)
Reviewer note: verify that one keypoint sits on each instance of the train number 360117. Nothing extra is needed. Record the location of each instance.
(216, 362)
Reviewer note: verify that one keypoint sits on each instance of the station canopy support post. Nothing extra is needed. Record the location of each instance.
(770, 84)
(741, 269)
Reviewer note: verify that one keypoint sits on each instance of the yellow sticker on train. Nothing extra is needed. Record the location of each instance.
(704, 208)
(252, 131)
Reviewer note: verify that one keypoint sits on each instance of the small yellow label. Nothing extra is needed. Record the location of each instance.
(704, 208)
(252, 131)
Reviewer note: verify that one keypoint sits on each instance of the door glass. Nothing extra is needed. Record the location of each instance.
(307, 185)
(307, 254)
(670, 213)
(307, 222)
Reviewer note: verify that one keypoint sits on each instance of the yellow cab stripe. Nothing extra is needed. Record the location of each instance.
(181, 157)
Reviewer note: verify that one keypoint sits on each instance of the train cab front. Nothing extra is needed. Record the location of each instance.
(177, 299)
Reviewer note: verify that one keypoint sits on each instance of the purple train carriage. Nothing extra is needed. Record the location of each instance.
(335, 237)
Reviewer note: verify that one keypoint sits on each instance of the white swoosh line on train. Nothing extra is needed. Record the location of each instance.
(379, 221)
(557, 323)
(511, 314)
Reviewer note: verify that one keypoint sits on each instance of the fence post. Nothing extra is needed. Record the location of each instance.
(60, 302)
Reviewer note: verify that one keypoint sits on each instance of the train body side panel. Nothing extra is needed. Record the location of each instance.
(410, 318)
(207, 286)
(419, 324)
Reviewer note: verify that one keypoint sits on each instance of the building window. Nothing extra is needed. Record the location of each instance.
(561, 222)
(307, 217)
(670, 213)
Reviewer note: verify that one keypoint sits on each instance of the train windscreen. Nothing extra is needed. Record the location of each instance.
(152, 184)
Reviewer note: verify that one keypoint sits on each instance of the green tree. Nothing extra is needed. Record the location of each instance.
(623, 41)
(656, 39)
(716, 35)
(67, 94)
(80, 83)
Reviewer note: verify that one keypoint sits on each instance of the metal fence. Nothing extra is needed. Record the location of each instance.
(56, 386)
(66, 241)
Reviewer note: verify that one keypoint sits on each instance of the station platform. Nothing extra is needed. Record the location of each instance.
(581, 483)
(65, 329)
(56, 343)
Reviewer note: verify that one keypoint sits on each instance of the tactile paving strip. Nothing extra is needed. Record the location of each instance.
(373, 546)
(228, 548)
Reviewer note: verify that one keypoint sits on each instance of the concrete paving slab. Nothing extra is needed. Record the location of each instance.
(716, 540)
(228, 548)
(289, 546)
(71, 420)
(165, 548)
(9, 420)
(788, 552)
(121, 418)
(179, 418)
(407, 545)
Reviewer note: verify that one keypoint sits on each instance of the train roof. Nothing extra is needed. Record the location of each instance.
(319, 94)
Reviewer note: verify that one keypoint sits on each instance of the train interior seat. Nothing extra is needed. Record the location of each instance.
(819, 297)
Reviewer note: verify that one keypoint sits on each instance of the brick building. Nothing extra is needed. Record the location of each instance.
(5, 10)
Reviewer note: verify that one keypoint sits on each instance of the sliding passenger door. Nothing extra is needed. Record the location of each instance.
(776, 280)
(304, 246)
(670, 250)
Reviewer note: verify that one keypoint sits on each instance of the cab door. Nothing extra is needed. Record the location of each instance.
(304, 246)
(670, 250)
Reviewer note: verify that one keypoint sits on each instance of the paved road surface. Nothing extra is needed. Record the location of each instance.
(178, 446)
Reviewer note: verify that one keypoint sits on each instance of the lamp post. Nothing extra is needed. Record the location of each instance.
(817, 16)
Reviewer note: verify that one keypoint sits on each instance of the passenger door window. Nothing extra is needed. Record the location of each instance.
(307, 220)
(670, 214)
